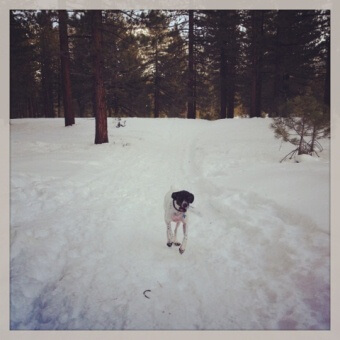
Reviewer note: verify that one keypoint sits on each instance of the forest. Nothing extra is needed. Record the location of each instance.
(209, 64)
(199, 97)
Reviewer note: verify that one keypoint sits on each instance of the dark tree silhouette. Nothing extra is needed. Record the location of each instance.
(191, 82)
(99, 103)
(46, 63)
(65, 68)
(257, 26)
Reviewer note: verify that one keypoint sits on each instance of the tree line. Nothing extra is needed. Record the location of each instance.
(210, 64)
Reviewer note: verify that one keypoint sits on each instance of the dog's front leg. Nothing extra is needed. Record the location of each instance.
(169, 234)
(185, 238)
(175, 235)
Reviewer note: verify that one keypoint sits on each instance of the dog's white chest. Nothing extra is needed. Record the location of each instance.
(178, 216)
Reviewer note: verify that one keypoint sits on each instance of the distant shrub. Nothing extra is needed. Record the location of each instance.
(119, 122)
(304, 121)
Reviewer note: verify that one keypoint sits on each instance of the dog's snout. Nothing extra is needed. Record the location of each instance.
(185, 205)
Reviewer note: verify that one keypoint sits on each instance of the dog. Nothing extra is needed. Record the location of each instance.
(176, 205)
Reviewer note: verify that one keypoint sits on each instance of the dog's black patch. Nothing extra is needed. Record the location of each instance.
(181, 196)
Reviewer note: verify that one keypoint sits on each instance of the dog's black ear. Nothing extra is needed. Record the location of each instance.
(174, 196)
(191, 198)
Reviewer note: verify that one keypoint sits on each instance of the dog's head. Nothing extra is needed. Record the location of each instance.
(183, 199)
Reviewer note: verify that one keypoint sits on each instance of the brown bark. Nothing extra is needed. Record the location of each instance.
(223, 84)
(281, 78)
(156, 84)
(99, 90)
(231, 97)
(257, 25)
(65, 69)
(46, 65)
(232, 73)
(223, 67)
(191, 82)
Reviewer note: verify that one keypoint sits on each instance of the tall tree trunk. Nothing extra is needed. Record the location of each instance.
(65, 69)
(257, 26)
(156, 84)
(278, 88)
(282, 73)
(277, 63)
(231, 93)
(99, 91)
(46, 65)
(232, 69)
(59, 95)
(223, 83)
(223, 66)
(191, 81)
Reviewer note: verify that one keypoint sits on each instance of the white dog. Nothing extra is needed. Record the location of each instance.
(176, 205)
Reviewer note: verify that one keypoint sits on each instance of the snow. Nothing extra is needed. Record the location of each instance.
(88, 235)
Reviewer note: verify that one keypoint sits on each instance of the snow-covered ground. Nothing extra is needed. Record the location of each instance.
(88, 235)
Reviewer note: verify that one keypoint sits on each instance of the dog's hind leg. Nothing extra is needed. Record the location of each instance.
(185, 238)
(176, 243)
(169, 234)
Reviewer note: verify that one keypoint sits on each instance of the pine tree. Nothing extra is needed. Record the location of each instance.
(24, 99)
(81, 62)
(256, 67)
(165, 63)
(296, 54)
(222, 52)
(191, 73)
(173, 68)
(65, 68)
(124, 73)
(99, 103)
(155, 42)
(145, 61)
(46, 55)
(303, 124)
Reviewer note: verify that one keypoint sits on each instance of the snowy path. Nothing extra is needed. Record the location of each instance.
(88, 236)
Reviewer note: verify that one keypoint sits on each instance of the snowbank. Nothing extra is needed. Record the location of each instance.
(88, 236)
